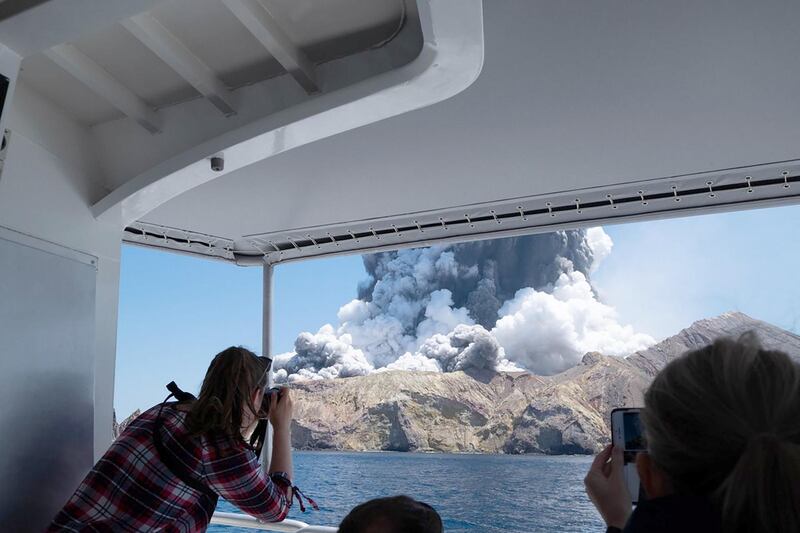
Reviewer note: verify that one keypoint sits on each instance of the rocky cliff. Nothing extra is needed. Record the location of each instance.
(704, 331)
(498, 412)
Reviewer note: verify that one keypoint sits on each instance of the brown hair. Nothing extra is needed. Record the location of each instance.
(396, 514)
(234, 374)
(724, 422)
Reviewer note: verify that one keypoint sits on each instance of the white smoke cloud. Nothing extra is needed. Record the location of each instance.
(408, 321)
(413, 362)
(440, 317)
(600, 243)
(326, 354)
(547, 332)
(466, 347)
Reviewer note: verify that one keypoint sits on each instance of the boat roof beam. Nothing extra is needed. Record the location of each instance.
(163, 43)
(260, 22)
(105, 85)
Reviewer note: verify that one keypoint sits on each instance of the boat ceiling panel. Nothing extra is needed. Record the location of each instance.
(140, 70)
(214, 35)
(317, 27)
(72, 96)
(209, 31)
(573, 96)
(41, 24)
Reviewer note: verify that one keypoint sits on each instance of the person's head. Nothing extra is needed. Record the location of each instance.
(231, 395)
(395, 514)
(724, 422)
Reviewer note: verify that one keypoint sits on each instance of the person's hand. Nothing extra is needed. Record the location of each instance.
(605, 485)
(280, 409)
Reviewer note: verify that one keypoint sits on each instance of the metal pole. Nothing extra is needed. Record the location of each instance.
(266, 349)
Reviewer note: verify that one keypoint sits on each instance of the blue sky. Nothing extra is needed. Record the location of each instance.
(663, 275)
(176, 311)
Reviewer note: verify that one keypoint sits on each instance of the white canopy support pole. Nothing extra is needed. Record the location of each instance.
(266, 350)
(98, 80)
(163, 43)
(255, 17)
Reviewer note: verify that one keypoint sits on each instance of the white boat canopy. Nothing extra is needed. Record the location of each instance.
(584, 113)
(516, 116)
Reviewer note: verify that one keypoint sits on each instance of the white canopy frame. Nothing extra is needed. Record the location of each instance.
(722, 190)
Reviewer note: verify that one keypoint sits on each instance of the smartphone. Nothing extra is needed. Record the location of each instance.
(627, 433)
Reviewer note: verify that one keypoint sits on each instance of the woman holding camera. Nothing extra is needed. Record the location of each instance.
(167, 469)
(723, 447)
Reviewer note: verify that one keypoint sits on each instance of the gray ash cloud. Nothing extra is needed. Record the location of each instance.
(506, 304)
(488, 273)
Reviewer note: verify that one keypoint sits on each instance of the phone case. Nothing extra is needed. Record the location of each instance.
(629, 459)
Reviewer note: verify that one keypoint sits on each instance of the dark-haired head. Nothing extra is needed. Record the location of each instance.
(395, 514)
(230, 394)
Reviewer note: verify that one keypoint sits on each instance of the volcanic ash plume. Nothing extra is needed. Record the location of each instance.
(506, 304)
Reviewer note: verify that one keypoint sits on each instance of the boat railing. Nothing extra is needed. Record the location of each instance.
(249, 522)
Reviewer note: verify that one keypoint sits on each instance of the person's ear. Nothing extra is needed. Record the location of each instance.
(258, 395)
(655, 482)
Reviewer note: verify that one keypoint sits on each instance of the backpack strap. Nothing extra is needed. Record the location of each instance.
(168, 458)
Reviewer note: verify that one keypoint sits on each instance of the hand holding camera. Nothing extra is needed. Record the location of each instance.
(279, 401)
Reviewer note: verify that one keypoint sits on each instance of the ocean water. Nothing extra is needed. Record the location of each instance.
(473, 493)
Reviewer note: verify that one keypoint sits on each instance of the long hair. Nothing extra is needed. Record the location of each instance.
(724, 422)
(234, 374)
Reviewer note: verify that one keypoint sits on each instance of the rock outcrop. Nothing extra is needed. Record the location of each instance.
(119, 428)
(498, 412)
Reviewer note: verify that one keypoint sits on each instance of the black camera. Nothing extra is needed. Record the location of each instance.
(263, 411)
(270, 392)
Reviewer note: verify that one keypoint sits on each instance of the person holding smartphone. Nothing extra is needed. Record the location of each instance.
(167, 469)
(722, 428)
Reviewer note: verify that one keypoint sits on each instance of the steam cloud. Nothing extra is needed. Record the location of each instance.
(521, 303)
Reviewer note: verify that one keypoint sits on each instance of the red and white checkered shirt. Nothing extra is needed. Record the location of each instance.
(131, 489)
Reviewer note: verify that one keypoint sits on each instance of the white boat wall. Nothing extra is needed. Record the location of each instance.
(260, 131)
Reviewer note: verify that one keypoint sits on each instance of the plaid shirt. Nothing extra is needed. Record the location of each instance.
(131, 489)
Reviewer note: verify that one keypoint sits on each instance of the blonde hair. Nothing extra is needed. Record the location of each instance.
(724, 421)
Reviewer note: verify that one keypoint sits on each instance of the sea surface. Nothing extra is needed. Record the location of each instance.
(473, 493)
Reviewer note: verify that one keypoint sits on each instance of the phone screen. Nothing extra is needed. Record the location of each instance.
(627, 432)
(634, 436)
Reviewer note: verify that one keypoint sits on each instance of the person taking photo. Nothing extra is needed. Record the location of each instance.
(168, 468)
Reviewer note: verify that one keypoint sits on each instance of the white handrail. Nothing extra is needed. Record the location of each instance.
(287, 526)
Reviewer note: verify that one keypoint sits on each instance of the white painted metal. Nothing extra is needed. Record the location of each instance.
(64, 91)
(174, 53)
(29, 241)
(573, 97)
(101, 82)
(449, 62)
(266, 350)
(53, 22)
(48, 181)
(215, 36)
(47, 307)
(198, 244)
(731, 189)
(728, 190)
(260, 22)
(317, 27)
(287, 526)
